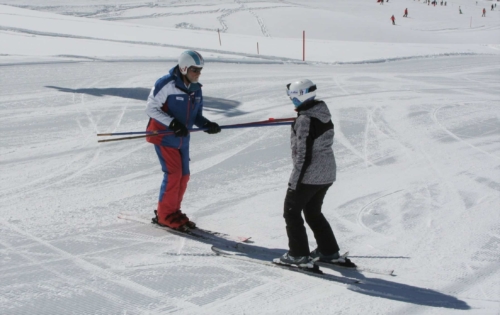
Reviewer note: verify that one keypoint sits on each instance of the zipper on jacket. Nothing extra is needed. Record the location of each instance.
(187, 120)
(188, 109)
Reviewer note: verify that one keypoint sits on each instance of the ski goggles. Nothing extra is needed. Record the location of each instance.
(294, 94)
(195, 69)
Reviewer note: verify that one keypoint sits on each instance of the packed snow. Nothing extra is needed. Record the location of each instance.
(417, 144)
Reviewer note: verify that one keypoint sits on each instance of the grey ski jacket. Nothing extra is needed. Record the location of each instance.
(312, 146)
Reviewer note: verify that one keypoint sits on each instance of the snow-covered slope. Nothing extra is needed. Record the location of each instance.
(417, 143)
(332, 36)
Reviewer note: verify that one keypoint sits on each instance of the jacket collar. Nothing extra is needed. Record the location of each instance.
(307, 105)
(179, 83)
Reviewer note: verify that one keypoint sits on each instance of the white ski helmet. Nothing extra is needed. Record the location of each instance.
(190, 58)
(301, 91)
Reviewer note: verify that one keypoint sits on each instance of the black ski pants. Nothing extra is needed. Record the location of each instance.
(308, 198)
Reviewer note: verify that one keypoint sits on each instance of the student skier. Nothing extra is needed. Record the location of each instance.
(393, 19)
(176, 104)
(314, 171)
(406, 13)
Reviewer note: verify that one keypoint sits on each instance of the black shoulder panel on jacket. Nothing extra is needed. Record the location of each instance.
(317, 127)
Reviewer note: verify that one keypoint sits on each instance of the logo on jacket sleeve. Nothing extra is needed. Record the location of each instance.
(179, 98)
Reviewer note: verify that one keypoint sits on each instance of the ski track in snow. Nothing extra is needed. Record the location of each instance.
(435, 118)
(95, 270)
(115, 13)
(366, 208)
(219, 158)
(264, 59)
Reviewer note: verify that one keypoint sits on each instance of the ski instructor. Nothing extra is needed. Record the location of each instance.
(314, 171)
(176, 104)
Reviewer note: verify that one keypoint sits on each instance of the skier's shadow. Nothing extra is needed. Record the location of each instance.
(375, 286)
(402, 292)
(228, 108)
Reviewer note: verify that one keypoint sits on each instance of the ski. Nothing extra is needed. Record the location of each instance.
(242, 239)
(314, 272)
(196, 233)
(334, 266)
(165, 228)
(348, 264)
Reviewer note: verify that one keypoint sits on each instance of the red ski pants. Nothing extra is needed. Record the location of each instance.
(175, 166)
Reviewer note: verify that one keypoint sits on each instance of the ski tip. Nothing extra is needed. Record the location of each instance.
(245, 239)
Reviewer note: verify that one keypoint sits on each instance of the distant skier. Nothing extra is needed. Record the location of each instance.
(175, 104)
(406, 13)
(393, 19)
(459, 10)
(484, 12)
(492, 6)
(314, 171)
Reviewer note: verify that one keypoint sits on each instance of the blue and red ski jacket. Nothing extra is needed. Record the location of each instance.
(169, 99)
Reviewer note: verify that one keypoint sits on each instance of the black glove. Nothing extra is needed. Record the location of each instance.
(212, 127)
(179, 129)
